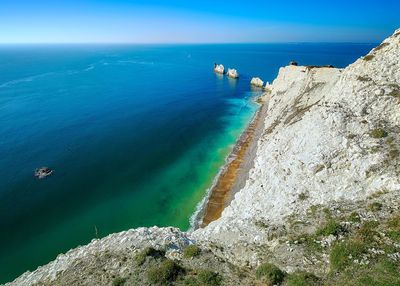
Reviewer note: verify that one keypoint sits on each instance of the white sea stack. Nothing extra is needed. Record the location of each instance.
(257, 82)
(232, 73)
(219, 69)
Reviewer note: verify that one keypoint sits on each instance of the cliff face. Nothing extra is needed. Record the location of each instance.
(321, 146)
(330, 148)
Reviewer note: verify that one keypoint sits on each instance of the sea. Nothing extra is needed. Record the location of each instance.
(135, 135)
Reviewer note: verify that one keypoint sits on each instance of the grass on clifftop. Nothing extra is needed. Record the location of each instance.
(270, 273)
(191, 251)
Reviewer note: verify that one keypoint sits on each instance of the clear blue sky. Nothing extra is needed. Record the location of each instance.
(200, 21)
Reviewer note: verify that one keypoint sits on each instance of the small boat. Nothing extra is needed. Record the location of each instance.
(43, 172)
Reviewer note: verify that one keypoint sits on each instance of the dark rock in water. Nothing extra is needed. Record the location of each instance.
(43, 172)
(293, 63)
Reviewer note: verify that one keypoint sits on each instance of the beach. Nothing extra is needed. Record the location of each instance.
(234, 174)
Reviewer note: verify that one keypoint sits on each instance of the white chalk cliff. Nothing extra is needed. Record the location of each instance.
(325, 139)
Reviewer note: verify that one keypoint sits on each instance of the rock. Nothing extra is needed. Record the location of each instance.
(257, 82)
(293, 63)
(232, 73)
(219, 68)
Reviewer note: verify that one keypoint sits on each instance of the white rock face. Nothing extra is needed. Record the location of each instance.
(317, 141)
(256, 81)
(219, 69)
(232, 73)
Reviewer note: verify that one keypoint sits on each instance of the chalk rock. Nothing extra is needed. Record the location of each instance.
(219, 69)
(256, 81)
(232, 73)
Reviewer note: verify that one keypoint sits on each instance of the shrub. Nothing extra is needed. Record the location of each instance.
(367, 231)
(331, 227)
(118, 281)
(209, 278)
(140, 258)
(165, 272)
(394, 228)
(343, 253)
(191, 251)
(368, 58)
(375, 206)
(302, 279)
(272, 274)
(354, 217)
(303, 196)
(378, 133)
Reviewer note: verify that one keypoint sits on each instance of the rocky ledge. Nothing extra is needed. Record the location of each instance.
(320, 206)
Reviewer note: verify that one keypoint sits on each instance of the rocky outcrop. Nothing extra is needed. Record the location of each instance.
(330, 147)
(219, 68)
(232, 73)
(257, 82)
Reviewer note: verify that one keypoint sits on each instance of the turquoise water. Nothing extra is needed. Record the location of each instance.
(135, 135)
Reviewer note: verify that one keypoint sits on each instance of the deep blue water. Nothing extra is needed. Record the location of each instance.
(135, 135)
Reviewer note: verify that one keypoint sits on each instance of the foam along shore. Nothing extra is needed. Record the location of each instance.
(234, 174)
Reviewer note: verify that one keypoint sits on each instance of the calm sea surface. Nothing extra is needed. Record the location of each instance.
(135, 135)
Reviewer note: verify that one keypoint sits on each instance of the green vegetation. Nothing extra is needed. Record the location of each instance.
(163, 273)
(209, 278)
(395, 93)
(303, 196)
(382, 273)
(270, 273)
(204, 278)
(368, 58)
(378, 133)
(367, 231)
(375, 206)
(331, 227)
(343, 253)
(302, 279)
(393, 225)
(119, 281)
(191, 251)
(354, 217)
(140, 258)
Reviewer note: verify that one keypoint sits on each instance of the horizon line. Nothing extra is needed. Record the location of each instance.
(184, 43)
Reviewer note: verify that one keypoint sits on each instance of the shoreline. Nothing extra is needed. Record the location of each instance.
(233, 175)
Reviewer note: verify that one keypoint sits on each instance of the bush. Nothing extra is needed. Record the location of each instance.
(378, 133)
(302, 279)
(209, 278)
(140, 258)
(272, 274)
(118, 281)
(354, 217)
(367, 231)
(165, 272)
(368, 58)
(331, 227)
(343, 253)
(191, 251)
(375, 206)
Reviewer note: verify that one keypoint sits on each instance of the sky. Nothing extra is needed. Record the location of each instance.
(201, 21)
